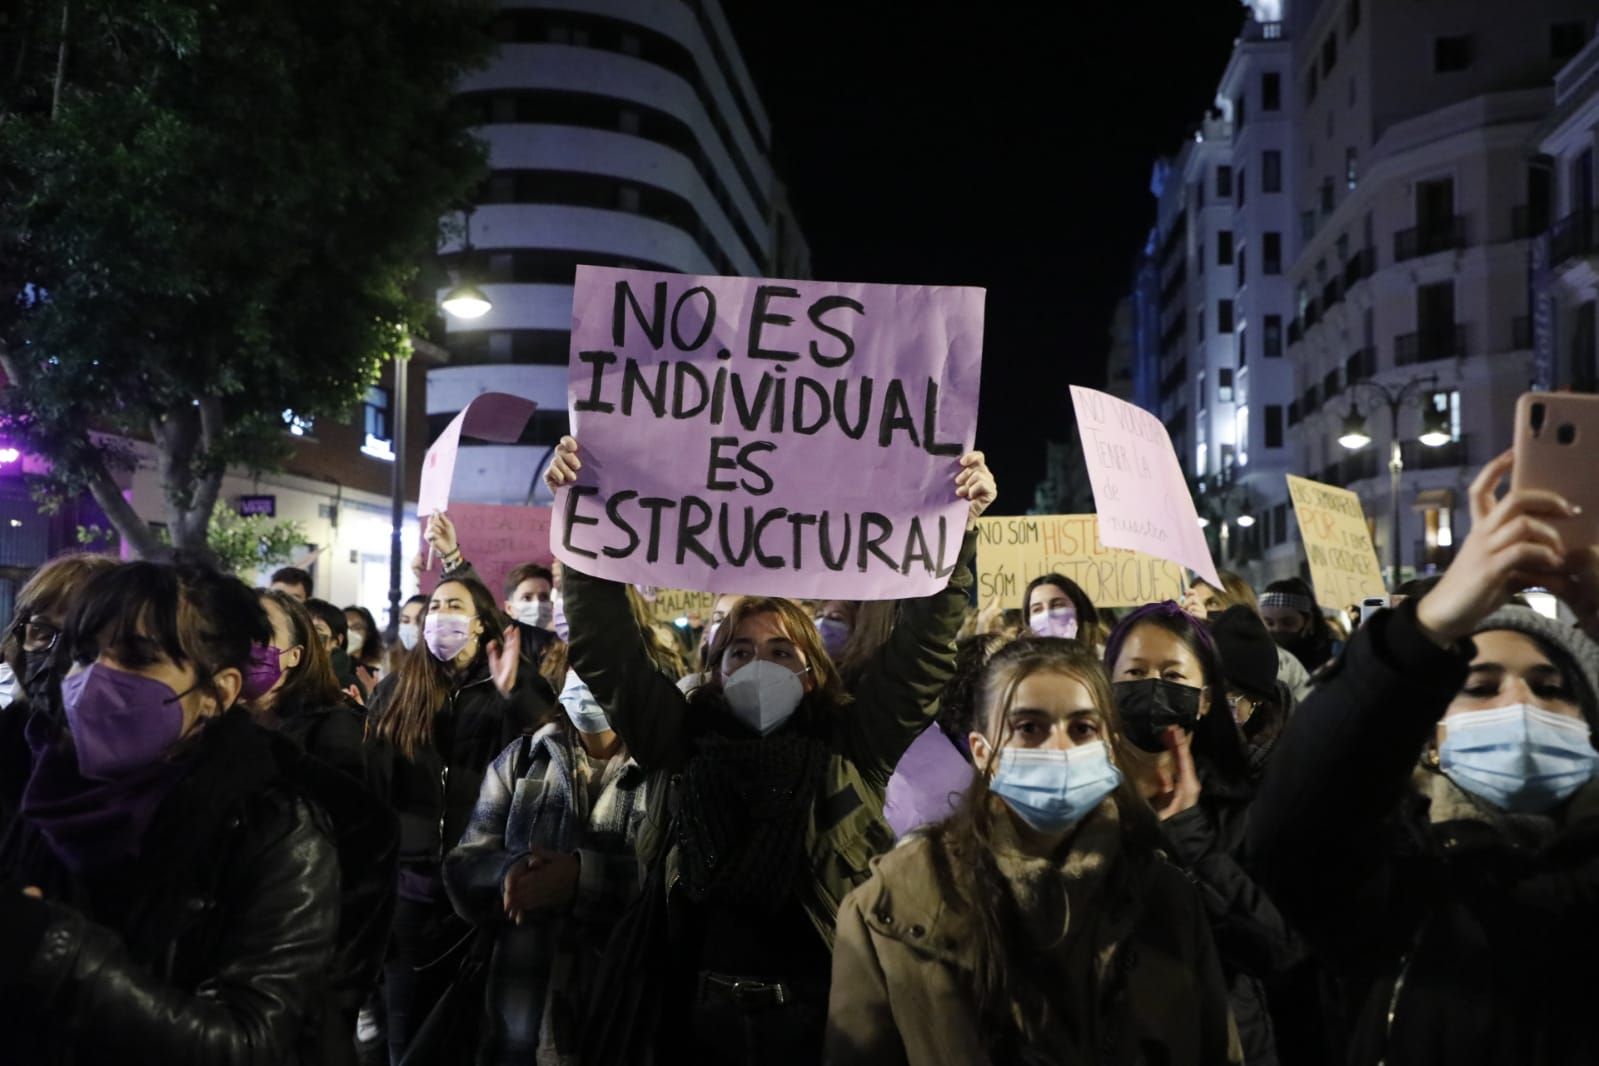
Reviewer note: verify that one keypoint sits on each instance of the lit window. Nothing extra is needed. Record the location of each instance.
(298, 425)
(379, 443)
(1241, 421)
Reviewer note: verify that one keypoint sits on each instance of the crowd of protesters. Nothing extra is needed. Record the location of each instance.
(238, 826)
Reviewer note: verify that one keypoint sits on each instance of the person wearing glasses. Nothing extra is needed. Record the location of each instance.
(28, 651)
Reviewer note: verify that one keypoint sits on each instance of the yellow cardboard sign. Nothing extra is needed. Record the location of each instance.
(672, 604)
(1011, 551)
(1343, 561)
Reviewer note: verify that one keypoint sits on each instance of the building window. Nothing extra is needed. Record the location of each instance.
(1351, 167)
(1224, 247)
(1224, 183)
(1274, 425)
(1224, 316)
(1240, 186)
(1352, 18)
(1199, 324)
(1446, 402)
(1271, 253)
(1199, 194)
(1451, 53)
(1224, 385)
(1201, 454)
(1566, 39)
(1271, 171)
(1271, 91)
(1329, 53)
(1327, 196)
(1241, 420)
(1199, 259)
(1307, 225)
(1243, 346)
(1240, 103)
(1271, 344)
(1200, 398)
(1243, 266)
(379, 442)
(1312, 82)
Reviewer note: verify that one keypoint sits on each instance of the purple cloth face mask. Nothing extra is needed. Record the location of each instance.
(1055, 622)
(120, 722)
(446, 634)
(262, 671)
(835, 635)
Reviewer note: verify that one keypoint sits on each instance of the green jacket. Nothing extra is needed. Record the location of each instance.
(895, 698)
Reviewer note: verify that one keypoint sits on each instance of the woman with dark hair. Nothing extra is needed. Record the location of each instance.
(436, 724)
(184, 889)
(289, 686)
(364, 642)
(1056, 606)
(409, 629)
(1038, 923)
(28, 651)
(1431, 814)
(1188, 756)
(1297, 624)
(771, 778)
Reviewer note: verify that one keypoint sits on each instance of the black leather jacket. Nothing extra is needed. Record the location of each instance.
(213, 947)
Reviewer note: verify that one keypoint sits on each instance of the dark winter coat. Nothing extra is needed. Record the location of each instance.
(434, 792)
(1460, 938)
(213, 946)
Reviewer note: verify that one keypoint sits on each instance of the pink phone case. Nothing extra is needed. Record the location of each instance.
(1557, 448)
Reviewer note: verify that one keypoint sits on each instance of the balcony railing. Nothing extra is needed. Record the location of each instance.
(1360, 267)
(1361, 366)
(1446, 342)
(1442, 236)
(1575, 235)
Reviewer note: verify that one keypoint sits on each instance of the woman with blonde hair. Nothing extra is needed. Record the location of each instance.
(1039, 922)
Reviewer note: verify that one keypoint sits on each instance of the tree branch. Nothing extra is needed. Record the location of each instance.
(61, 62)
(208, 486)
(135, 531)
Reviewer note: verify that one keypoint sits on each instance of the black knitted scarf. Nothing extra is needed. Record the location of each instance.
(742, 817)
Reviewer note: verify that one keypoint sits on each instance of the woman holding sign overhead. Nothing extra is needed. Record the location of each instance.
(772, 776)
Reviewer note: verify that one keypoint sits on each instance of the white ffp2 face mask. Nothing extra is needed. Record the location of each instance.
(536, 613)
(410, 633)
(763, 695)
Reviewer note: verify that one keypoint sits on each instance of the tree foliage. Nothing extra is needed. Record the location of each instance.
(211, 213)
(241, 544)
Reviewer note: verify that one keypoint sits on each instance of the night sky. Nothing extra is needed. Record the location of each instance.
(952, 144)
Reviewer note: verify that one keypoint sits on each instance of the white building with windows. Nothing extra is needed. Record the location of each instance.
(1565, 260)
(1416, 194)
(626, 135)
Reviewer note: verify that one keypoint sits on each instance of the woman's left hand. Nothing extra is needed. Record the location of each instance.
(504, 658)
(975, 482)
(1186, 795)
(548, 880)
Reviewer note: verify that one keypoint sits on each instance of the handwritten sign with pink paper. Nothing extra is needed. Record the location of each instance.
(1139, 490)
(496, 416)
(497, 538)
(790, 438)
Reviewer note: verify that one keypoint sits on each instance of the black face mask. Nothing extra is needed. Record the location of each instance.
(1150, 705)
(36, 673)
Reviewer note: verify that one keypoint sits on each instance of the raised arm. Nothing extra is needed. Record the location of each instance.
(608, 652)
(897, 694)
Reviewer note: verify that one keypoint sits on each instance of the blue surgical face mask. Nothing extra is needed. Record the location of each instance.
(1520, 759)
(581, 706)
(1052, 789)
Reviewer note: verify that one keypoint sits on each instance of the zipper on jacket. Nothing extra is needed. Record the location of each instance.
(444, 806)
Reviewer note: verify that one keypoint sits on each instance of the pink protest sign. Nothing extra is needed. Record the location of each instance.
(497, 538)
(496, 416)
(1139, 490)
(789, 438)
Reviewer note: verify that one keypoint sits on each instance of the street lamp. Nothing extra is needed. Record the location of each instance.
(1355, 437)
(465, 300)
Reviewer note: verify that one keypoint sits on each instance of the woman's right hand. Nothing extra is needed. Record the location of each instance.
(564, 464)
(441, 534)
(1511, 546)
